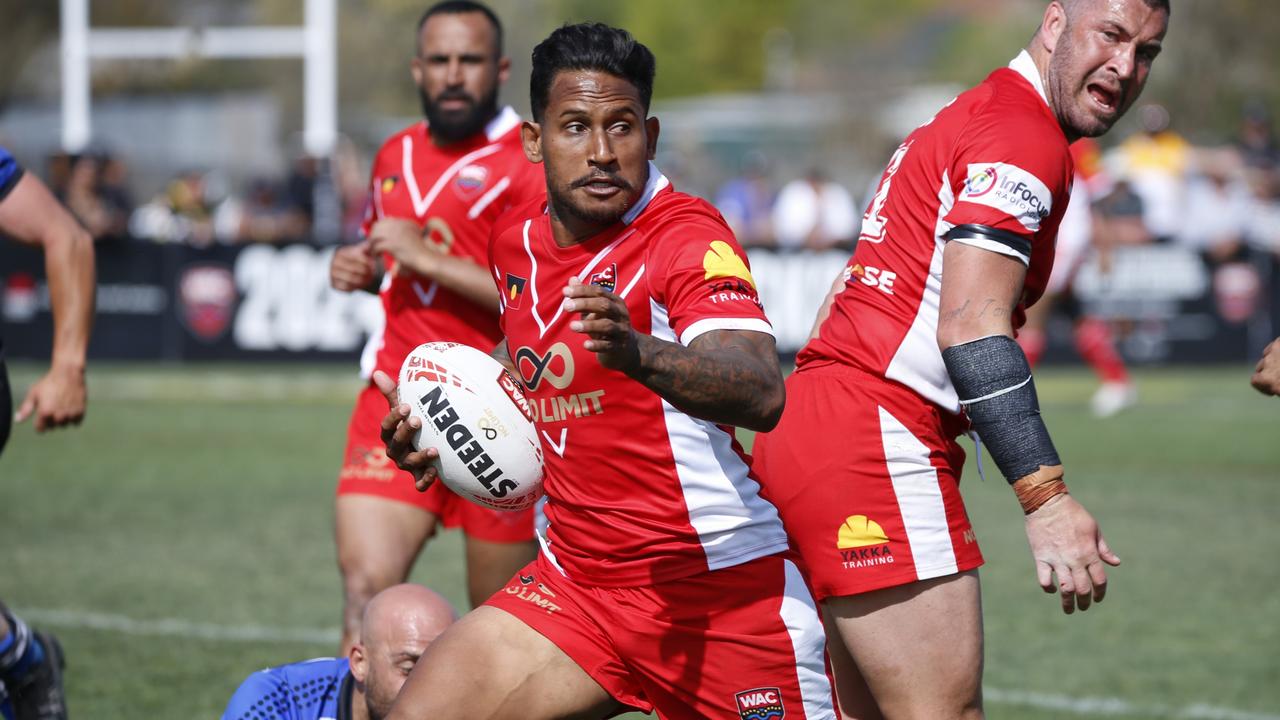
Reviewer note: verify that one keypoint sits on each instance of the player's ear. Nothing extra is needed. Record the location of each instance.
(1055, 22)
(415, 69)
(359, 663)
(651, 129)
(504, 69)
(531, 138)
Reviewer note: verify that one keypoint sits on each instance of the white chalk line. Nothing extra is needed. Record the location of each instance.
(169, 627)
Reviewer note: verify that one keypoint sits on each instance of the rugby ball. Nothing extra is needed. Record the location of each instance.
(476, 415)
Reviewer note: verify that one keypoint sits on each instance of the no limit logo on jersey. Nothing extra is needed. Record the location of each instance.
(515, 290)
(761, 704)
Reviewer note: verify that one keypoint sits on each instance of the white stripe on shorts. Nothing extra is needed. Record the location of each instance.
(800, 614)
(915, 482)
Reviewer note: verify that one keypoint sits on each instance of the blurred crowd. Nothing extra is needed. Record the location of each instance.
(1153, 187)
(201, 208)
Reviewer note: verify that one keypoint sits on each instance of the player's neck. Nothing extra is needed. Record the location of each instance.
(1041, 56)
(359, 708)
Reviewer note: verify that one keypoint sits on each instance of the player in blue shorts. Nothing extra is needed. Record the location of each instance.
(31, 662)
(398, 624)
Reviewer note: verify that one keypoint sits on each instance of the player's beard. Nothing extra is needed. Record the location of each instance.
(453, 126)
(563, 201)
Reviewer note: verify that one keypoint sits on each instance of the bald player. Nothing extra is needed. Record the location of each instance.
(398, 625)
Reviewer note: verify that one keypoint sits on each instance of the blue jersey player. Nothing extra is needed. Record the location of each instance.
(398, 624)
(31, 662)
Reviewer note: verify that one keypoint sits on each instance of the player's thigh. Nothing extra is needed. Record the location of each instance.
(865, 475)
(378, 538)
(491, 665)
(917, 647)
(853, 697)
(744, 641)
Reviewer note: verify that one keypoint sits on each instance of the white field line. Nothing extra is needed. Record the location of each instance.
(178, 628)
(1083, 706)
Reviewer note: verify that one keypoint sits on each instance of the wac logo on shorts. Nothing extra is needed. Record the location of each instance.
(763, 703)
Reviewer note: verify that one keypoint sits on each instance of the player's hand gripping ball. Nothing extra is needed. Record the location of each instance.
(476, 415)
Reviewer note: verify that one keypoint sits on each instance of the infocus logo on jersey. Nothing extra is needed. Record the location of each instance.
(761, 704)
(720, 261)
(1009, 189)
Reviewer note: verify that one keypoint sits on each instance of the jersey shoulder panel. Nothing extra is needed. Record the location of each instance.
(697, 270)
(1011, 166)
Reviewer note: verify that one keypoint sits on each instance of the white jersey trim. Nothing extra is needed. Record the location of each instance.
(993, 246)
(924, 514)
(799, 614)
(1026, 67)
(917, 363)
(734, 524)
(502, 123)
(706, 325)
(656, 182)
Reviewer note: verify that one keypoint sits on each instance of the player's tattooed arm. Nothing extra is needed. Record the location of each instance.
(980, 288)
(729, 377)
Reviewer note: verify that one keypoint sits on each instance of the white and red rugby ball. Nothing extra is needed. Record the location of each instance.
(476, 415)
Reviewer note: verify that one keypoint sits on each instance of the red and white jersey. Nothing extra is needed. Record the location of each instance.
(992, 165)
(455, 194)
(638, 491)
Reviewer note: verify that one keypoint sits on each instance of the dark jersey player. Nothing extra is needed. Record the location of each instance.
(398, 625)
(632, 316)
(915, 346)
(31, 662)
(437, 188)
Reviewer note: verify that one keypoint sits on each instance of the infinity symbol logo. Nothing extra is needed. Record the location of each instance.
(535, 368)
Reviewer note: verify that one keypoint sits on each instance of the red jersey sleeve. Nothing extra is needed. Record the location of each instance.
(701, 276)
(1011, 178)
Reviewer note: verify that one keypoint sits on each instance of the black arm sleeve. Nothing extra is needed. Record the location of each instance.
(994, 382)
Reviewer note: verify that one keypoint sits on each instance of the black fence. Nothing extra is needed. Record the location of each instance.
(263, 302)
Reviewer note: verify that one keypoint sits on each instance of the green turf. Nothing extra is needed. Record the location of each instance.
(203, 496)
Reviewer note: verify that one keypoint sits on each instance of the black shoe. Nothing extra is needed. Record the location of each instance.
(40, 696)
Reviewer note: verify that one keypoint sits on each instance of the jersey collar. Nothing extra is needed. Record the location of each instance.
(1026, 67)
(345, 697)
(502, 123)
(657, 183)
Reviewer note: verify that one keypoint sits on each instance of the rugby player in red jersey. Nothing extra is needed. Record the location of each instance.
(437, 188)
(633, 319)
(915, 346)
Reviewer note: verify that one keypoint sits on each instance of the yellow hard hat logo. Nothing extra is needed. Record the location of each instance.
(859, 531)
(722, 261)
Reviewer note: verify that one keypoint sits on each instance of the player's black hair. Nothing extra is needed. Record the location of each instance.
(590, 46)
(462, 7)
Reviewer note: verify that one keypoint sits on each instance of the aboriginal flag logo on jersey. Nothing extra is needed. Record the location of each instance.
(606, 278)
(514, 291)
(763, 703)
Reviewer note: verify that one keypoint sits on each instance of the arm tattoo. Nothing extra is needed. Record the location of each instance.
(503, 356)
(729, 377)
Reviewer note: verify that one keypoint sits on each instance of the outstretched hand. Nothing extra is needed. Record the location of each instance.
(1067, 543)
(604, 319)
(398, 429)
(56, 400)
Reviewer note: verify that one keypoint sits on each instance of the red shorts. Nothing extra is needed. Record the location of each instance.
(366, 470)
(865, 474)
(731, 643)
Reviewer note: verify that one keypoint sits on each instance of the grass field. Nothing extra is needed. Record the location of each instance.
(182, 538)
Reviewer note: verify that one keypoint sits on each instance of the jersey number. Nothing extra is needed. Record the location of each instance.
(874, 222)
